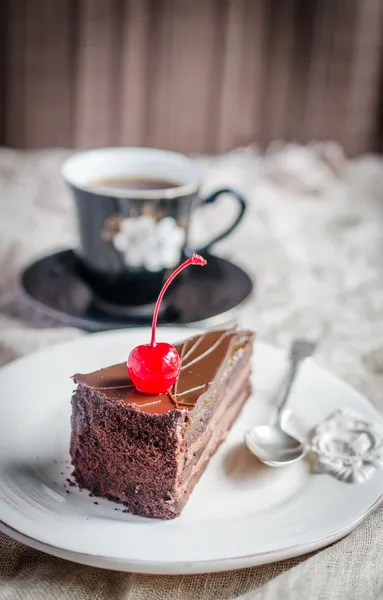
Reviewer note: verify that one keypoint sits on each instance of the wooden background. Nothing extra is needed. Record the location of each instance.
(193, 75)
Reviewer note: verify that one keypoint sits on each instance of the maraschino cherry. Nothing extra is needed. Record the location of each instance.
(154, 368)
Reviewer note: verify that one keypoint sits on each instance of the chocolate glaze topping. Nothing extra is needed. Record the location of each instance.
(202, 357)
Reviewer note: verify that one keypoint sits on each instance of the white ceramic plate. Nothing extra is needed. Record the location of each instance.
(240, 513)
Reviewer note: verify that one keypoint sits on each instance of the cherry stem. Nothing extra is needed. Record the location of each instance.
(196, 259)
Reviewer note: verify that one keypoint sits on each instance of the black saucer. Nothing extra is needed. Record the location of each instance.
(205, 296)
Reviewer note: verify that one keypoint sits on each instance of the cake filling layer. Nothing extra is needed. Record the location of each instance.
(220, 417)
(215, 432)
(214, 442)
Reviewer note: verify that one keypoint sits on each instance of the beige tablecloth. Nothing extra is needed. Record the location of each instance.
(313, 237)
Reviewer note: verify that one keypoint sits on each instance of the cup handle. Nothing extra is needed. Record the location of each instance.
(242, 208)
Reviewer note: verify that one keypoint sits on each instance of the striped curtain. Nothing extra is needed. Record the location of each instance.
(192, 75)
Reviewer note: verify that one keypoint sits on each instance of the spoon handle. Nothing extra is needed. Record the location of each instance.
(300, 350)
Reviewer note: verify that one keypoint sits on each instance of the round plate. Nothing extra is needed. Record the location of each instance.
(240, 514)
(210, 296)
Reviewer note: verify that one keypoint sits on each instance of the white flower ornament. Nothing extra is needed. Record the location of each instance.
(348, 447)
(144, 242)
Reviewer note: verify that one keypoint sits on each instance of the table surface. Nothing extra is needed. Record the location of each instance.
(313, 236)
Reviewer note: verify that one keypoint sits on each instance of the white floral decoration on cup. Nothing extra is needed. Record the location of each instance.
(153, 245)
(348, 447)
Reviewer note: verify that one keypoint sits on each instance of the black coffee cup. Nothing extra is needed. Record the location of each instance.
(133, 208)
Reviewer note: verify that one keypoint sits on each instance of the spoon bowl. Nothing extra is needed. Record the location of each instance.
(273, 446)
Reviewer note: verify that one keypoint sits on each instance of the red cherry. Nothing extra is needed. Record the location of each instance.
(154, 368)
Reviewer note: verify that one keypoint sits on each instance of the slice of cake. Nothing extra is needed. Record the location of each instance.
(148, 451)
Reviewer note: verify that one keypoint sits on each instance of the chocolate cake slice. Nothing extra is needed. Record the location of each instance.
(149, 451)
